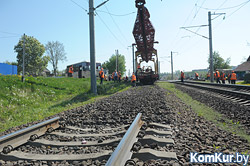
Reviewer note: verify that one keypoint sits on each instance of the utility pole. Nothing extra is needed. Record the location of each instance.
(116, 62)
(211, 66)
(159, 67)
(210, 47)
(92, 46)
(23, 56)
(172, 72)
(133, 54)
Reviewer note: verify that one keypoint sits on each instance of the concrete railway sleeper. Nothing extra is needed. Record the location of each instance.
(230, 93)
(83, 146)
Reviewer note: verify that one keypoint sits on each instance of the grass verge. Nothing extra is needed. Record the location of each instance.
(208, 113)
(40, 97)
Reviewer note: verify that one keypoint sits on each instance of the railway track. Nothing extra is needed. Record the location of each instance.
(235, 93)
(48, 143)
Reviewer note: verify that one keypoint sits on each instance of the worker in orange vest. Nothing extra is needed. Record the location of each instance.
(133, 80)
(217, 76)
(196, 76)
(101, 75)
(233, 77)
(208, 76)
(222, 77)
(229, 78)
(119, 76)
(182, 76)
(71, 69)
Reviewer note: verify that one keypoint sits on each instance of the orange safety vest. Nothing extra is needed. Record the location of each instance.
(233, 76)
(101, 74)
(71, 70)
(217, 74)
(182, 75)
(223, 77)
(133, 78)
(196, 74)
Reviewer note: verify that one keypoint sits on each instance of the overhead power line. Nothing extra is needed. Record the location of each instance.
(244, 3)
(199, 8)
(79, 6)
(11, 33)
(8, 36)
(109, 30)
(118, 15)
(116, 24)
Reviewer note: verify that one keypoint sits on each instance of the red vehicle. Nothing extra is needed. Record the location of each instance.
(144, 33)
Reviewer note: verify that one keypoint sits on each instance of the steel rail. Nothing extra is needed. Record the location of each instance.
(218, 90)
(123, 152)
(10, 141)
(221, 85)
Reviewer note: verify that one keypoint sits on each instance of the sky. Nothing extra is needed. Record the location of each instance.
(67, 21)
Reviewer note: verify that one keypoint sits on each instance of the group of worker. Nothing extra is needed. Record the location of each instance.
(231, 77)
(116, 77)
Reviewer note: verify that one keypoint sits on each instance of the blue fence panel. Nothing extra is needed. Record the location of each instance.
(6, 69)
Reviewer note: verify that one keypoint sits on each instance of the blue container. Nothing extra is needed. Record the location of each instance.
(6, 69)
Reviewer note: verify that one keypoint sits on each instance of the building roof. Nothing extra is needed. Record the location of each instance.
(244, 66)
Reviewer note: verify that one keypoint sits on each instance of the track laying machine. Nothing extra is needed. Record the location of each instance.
(144, 33)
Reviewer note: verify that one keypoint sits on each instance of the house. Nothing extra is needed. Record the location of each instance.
(46, 72)
(243, 69)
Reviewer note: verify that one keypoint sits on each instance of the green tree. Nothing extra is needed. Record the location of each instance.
(111, 64)
(11, 63)
(34, 61)
(55, 50)
(219, 62)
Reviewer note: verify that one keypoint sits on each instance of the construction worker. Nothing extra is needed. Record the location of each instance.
(222, 77)
(208, 76)
(119, 76)
(133, 80)
(233, 77)
(196, 76)
(71, 69)
(115, 76)
(182, 76)
(217, 76)
(101, 75)
(229, 78)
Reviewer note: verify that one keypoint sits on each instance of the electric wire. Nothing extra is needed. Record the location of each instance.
(79, 6)
(199, 8)
(244, 3)
(174, 42)
(11, 33)
(8, 36)
(116, 24)
(221, 5)
(110, 30)
(118, 15)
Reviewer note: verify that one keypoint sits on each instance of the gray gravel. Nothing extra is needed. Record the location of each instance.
(190, 132)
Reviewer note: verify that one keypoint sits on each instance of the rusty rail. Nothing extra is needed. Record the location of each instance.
(13, 140)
